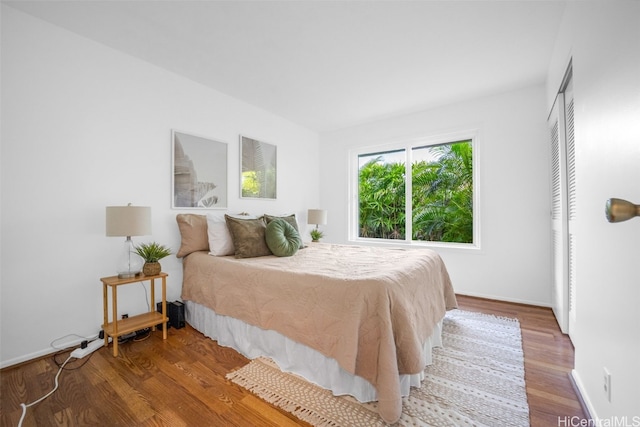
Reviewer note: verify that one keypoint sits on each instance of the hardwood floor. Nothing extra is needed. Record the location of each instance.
(181, 381)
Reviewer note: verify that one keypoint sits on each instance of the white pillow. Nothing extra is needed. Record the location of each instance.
(220, 241)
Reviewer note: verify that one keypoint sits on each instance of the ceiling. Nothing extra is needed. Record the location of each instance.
(328, 64)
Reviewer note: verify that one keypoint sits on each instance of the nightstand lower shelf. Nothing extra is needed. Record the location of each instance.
(134, 323)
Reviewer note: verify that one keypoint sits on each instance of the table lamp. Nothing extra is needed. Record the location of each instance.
(127, 221)
(317, 217)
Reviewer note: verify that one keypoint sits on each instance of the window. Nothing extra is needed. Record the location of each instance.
(434, 206)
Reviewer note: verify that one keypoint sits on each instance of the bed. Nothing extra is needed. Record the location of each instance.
(357, 320)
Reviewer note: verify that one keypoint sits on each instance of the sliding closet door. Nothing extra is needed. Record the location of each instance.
(563, 207)
(559, 224)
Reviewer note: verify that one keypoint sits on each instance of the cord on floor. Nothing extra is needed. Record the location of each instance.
(25, 406)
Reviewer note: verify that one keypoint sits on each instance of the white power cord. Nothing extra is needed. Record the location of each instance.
(25, 406)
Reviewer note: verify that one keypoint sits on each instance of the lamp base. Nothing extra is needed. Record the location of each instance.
(130, 263)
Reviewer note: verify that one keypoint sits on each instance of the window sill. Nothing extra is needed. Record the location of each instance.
(415, 244)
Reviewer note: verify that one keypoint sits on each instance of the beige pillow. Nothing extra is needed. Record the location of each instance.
(193, 233)
(248, 237)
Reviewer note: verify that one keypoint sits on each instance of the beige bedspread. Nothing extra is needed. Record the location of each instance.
(369, 308)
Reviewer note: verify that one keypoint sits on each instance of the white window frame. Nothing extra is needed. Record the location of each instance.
(407, 146)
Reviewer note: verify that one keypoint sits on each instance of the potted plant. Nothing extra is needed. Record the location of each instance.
(152, 253)
(316, 235)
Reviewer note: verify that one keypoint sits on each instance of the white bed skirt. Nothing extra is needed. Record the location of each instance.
(294, 357)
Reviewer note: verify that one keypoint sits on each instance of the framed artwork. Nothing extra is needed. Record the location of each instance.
(258, 169)
(199, 179)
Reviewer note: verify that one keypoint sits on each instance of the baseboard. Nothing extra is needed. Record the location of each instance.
(41, 353)
(27, 358)
(583, 398)
(499, 298)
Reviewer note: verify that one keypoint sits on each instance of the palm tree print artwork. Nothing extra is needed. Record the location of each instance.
(199, 172)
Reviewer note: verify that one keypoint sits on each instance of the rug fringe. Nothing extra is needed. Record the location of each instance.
(314, 418)
(478, 314)
(264, 393)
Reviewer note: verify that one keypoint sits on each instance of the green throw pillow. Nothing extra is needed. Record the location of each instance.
(291, 219)
(282, 239)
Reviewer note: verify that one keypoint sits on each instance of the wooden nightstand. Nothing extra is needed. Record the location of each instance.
(116, 327)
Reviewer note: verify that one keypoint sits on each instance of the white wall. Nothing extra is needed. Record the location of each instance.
(603, 38)
(514, 261)
(84, 127)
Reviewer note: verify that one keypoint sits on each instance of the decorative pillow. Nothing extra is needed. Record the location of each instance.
(193, 233)
(282, 238)
(291, 219)
(248, 237)
(220, 240)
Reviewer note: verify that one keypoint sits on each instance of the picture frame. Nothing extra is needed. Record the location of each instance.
(199, 172)
(258, 169)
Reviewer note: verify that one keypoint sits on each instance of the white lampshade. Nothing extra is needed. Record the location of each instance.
(127, 221)
(317, 216)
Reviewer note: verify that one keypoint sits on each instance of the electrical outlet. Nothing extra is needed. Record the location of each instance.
(607, 384)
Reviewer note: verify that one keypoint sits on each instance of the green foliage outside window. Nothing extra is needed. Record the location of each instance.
(442, 196)
(382, 200)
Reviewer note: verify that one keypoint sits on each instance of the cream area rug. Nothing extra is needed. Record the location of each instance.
(477, 379)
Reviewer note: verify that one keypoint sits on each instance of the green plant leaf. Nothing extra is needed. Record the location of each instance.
(152, 252)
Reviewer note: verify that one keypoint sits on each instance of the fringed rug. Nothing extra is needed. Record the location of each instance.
(477, 379)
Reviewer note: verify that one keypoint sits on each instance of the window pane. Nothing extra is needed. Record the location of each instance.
(381, 195)
(442, 193)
